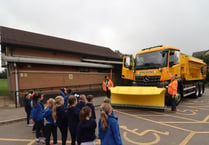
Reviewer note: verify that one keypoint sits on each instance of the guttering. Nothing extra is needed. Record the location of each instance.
(101, 61)
(16, 86)
(53, 62)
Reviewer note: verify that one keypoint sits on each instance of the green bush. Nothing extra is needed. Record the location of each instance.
(4, 87)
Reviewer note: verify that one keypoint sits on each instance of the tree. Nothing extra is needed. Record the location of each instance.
(120, 54)
(3, 74)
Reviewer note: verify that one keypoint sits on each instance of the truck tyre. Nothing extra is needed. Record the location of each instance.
(201, 89)
(178, 97)
(197, 91)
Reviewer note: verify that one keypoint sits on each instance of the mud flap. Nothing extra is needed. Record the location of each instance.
(143, 97)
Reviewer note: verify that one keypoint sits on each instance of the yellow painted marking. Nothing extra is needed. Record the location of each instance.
(206, 119)
(200, 108)
(154, 132)
(139, 143)
(182, 122)
(13, 139)
(185, 112)
(157, 122)
(187, 139)
(32, 141)
(144, 132)
(180, 117)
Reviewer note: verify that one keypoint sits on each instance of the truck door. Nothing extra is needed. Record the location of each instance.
(128, 68)
(174, 63)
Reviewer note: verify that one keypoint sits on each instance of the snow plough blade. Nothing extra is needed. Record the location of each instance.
(133, 96)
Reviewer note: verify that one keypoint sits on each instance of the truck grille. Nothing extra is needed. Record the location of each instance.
(147, 80)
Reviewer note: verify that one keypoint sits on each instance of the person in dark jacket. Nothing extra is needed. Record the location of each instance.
(109, 131)
(62, 92)
(37, 116)
(86, 127)
(82, 101)
(51, 126)
(90, 99)
(73, 117)
(28, 108)
(62, 121)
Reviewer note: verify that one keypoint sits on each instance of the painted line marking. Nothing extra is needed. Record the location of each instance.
(154, 132)
(32, 141)
(187, 139)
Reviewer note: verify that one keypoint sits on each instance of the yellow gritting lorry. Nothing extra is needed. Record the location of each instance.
(150, 73)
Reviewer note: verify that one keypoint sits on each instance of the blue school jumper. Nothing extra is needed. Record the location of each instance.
(110, 136)
(51, 127)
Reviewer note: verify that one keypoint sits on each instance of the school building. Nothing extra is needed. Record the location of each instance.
(37, 62)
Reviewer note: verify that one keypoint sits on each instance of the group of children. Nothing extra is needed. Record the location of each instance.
(78, 117)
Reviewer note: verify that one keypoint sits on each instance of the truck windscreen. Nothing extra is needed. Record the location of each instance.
(151, 60)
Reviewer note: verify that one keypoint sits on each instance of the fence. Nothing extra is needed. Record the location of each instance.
(94, 89)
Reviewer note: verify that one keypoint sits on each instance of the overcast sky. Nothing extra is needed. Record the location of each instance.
(125, 25)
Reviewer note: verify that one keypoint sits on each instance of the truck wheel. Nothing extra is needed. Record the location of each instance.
(178, 98)
(201, 89)
(197, 91)
(203, 86)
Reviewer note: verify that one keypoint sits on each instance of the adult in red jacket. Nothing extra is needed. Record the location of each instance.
(172, 91)
(107, 84)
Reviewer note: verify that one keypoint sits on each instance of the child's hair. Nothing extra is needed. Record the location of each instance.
(58, 100)
(30, 92)
(28, 95)
(71, 100)
(82, 97)
(85, 112)
(40, 94)
(105, 109)
(106, 100)
(35, 99)
(89, 98)
(51, 101)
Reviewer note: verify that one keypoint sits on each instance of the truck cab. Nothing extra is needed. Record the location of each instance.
(152, 66)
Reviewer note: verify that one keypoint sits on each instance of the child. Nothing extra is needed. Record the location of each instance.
(109, 132)
(73, 117)
(61, 118)
(37, 116)
(82, 101)
(66, 98)
(51, 127)
(86, 127)
(63, 92)
(41, 100)
(90, 99)
(107, 100)
(28, 108)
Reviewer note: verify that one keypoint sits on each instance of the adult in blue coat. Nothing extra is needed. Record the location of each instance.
(109, 132)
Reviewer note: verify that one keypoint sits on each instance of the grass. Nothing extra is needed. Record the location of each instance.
(4, 87)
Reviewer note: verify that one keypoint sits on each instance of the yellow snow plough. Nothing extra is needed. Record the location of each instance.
(150, 73)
